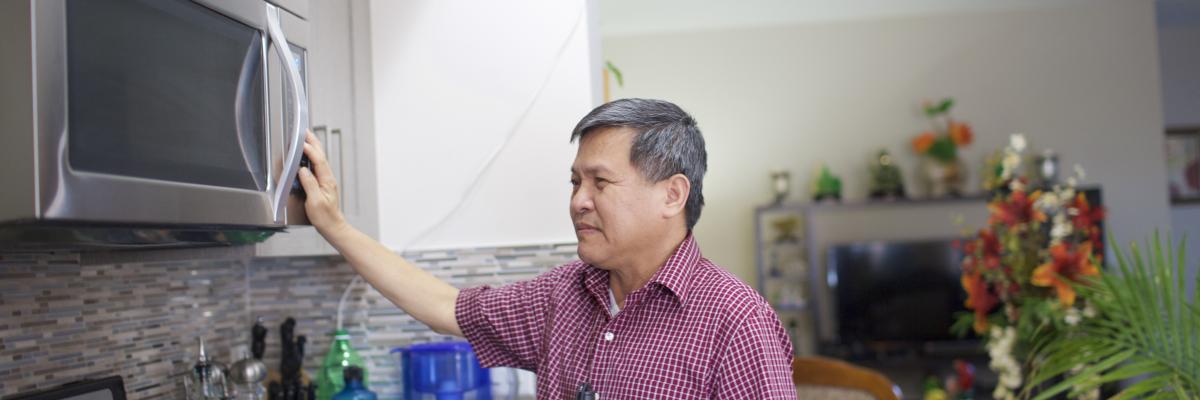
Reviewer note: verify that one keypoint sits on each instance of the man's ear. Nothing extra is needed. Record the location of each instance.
(677, 187)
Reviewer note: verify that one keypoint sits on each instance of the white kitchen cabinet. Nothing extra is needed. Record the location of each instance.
(475, 104)
(474, 118)
(340, 89)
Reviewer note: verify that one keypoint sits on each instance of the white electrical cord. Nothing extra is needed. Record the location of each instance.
(342, 301)
(470, 189)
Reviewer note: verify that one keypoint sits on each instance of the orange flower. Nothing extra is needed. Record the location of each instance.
(1086, 219)
(982, 252)
(1086, 215)
(923, 142)
(1064, 268)
(961, 133)
(1017, 209)
(979, 298)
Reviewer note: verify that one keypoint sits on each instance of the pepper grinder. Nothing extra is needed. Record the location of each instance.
(206, 380)
(248, 374)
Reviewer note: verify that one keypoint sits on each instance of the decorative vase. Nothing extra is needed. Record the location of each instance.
(1047, 169)
(944, 178)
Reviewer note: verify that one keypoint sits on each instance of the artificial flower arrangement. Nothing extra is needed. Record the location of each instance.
(1020, 272)
(942, 172)
(943, 146)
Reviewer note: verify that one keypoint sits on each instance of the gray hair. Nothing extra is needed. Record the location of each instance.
(667, 142)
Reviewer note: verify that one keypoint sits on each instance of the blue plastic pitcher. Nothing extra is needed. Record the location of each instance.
(443, 371)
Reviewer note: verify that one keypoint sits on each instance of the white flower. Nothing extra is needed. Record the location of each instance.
(1079, 172)
(1073, 319)
(1062, 228)
(1089, 311)
(1016, 185)
(1001, 392)
(1009, 164)
(1018, 142)
(1067, 194)
(1048, 201)
(1012, 380)
(1000, 346)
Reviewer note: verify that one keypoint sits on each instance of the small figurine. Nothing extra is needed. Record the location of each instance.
(827, 186)
(886, 180)
(781, 185)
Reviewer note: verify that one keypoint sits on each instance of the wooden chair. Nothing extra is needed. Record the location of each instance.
(830, 378)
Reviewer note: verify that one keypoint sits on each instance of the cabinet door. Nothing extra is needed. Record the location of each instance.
(332, 84)
(362, 201)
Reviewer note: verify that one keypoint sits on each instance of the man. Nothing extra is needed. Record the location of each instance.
(641, 315)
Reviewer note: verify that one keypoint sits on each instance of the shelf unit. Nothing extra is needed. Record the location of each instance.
(783, 268)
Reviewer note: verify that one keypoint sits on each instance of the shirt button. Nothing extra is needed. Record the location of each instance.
(608, 336)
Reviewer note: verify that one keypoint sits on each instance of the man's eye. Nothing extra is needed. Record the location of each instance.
(574, 182)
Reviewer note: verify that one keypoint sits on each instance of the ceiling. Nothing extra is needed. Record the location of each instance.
(638, 17)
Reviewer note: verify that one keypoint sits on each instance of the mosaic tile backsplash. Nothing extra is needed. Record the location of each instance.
(63, 320)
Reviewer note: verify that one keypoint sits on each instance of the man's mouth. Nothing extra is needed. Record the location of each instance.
(583, 229)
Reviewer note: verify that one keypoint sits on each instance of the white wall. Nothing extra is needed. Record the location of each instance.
(1081, 78)
(1179, 51)
(452, 80)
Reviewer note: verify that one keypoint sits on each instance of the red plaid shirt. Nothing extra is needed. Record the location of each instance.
(694, 331)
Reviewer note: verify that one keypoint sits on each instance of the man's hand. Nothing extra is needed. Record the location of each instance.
(321, 189)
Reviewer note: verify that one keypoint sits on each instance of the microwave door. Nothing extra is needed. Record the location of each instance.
(289, 116)
(168, 128)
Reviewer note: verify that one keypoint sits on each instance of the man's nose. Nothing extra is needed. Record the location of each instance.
(581, 201)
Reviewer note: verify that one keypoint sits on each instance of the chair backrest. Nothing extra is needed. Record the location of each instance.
(820, 371)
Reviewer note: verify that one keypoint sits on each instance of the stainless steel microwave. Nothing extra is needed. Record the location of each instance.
(144, 122)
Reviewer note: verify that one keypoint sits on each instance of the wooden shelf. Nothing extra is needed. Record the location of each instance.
(857, 204)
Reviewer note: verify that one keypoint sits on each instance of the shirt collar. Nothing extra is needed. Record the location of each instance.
(674, 275)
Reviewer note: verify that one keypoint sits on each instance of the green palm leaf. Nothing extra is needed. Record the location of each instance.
(1146, 327)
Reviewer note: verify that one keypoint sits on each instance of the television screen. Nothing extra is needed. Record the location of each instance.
(896, 291)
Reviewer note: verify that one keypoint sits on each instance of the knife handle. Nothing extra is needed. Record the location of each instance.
(258, 342)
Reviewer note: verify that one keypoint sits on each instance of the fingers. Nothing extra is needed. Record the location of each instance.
(324, 174)
(311, 187)
(311, 140)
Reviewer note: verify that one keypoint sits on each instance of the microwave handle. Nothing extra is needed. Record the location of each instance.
(291, 164)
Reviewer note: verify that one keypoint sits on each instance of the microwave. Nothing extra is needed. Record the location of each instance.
(151, 122)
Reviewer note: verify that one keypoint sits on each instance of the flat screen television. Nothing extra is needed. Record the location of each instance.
(895, 291)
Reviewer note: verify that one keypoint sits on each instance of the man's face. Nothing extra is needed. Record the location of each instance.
(613, 207)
